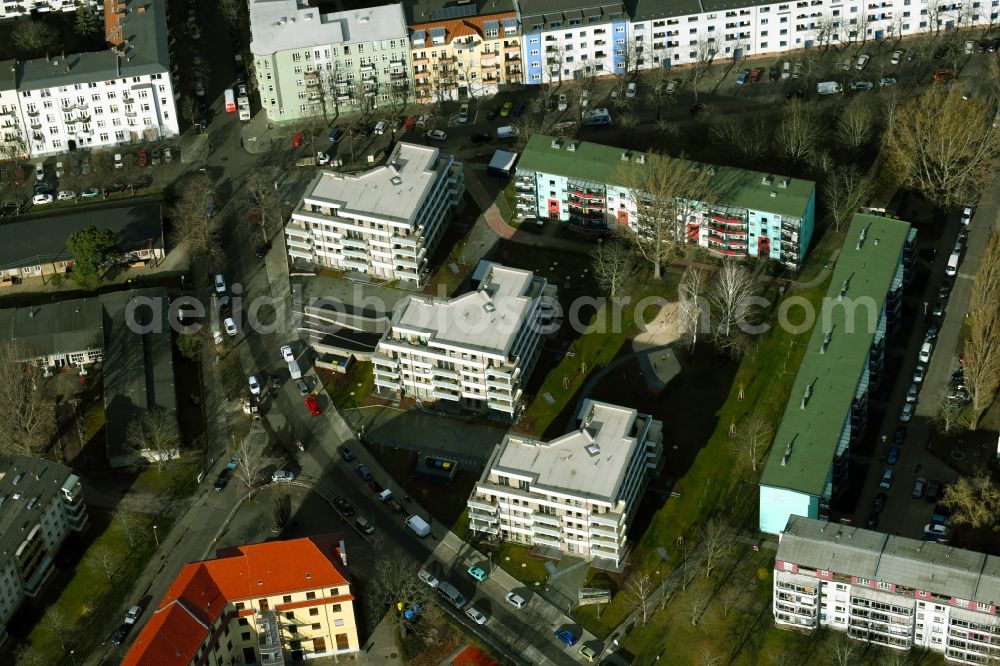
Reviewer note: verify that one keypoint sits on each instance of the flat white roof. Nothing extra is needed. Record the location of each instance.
(284, 25)
(393, 191)
(590, 461)
(486, 319)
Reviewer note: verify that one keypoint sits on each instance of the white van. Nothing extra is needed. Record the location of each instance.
(924, 356)
(294, 370)
(597, 117)
(786, 70)
(951, 270)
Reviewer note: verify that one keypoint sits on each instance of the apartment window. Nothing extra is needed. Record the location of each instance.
(319, 644)
(290, 615)
(343, 642)
(310, 595)
(245, 635)
(316, 626)
(296, 57)
(243, 622)
(313, 611)
(338, 622)
(335, 608)
(287, 599)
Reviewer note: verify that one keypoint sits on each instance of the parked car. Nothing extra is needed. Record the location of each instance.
(220, 283)
(936, 529)
(297, 139)
(481, 137)
(221, 480)
(506, 109)
(230, 326)
(912, 392)
(477, 572)
(518, 109)
(918, 487)
(254, 384)
(336, 134)
(282, 476)
(893, 456)
(899, 437)
(436, 135)
(286, 354)
(743, 77)
(463, 114)
(132, 614)
(155, 157)
(381, 126)
(887, 477)
(895, 57)
(755, 75)
(630, 90)
(872, 520)
(919, 373)
(515, 600)
(880, 499)
(966, 216)
(566, 636)
(41, 199)
(907, 413)
(859, 86)
(313, 405)
(345, 453)
(926, 349)
(343, 506)
(774, 73)
(862, 61)
(303, 388)
(429, 578)
(933, 491)
(39, 171)
(475, 615)
(90, 193)
(563, 103)
(886, 81)
(120, 633)
(363, 472)
(66, 195)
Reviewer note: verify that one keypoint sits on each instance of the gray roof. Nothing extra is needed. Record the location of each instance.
(35, 477)
(8, 80)
(30, 241)
(646, 10)
(138, 367)
(144, 25)
(543, 12)
(283, 25)
(426, 11)
(921, 565)
(63, 326)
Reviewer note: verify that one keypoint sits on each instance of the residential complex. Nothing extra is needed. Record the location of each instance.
(459, 54)
(98, 99)
(310, 63)
(476, 349)
(567, 39)
(383, 222)
(13, 142)
(575, 494)
(827, 411)
(581, 183)
(136, 360)
(269, 603)
(889, 591)
(41, 504)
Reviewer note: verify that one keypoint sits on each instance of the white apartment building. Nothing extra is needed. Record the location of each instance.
(476, 349)
(567, 39)
(893, 592)
(662, 33)
(13, 142)
(313, 64)
(41, 502)
(576, 494)
(94, 100)
(383, 222)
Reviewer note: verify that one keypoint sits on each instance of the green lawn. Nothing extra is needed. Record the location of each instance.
(358, 380)
(594, 349)
(178, 478)
(765, 377)
(515, 560)
(93, 421)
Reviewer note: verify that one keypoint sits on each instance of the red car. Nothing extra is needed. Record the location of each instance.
(297, 139)
(143, 158)
(755, 75)
(410, 122)
(313, 404)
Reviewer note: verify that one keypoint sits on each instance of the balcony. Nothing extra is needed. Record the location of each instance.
(511, 47)
(445, 394)
(446, 373)
(547, 518)
(305, 244)
(546, 540)
(385, 361)
(354, 264)
(602, 532)
(466, 47)
(368, 68)
(609, 519)
(547, 530)
(422, 60)
(482, 506)
(446, 58)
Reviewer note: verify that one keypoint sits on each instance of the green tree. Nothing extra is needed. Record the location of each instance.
(92, 249)
(86, 20)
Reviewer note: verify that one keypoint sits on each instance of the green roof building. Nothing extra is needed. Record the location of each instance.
(756, 214)
(828, 406)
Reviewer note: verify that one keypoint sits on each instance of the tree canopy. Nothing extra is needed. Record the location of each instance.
(92, 250)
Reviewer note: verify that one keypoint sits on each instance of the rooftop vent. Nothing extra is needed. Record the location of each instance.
(640, 158)
(396, 180)
(489, 307)
(788, 454)
(17, 479)
(555, 143)
(861, 238)
(843, 289)
(32, 502)
(593, 450)
(624, 157)
(783, 183)
(766, 180)
(826, 342)
(774, 194)
(307, 17)
(806, 395)
(571, 147)
(363, 19)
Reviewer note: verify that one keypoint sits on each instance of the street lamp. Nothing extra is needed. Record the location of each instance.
(71, 653)
(156, 536)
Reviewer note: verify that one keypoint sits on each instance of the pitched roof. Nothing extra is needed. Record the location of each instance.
(202, 590)
(463, 27)
(808, 437)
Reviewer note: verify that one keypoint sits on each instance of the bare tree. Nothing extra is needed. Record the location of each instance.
(192, 216)
(690, 302)
(394, 580)
(232, 12)
(699, 602)
(704, 55)
(729, 597)
(944, 145)
(844, 651)
(129, 525)
(32, 38)
(281, 511)
(854, 126)
(251, 465)
(731, 294)
(29, 655)
(155, 436)
(846, 190)
(982, 348)
(754, 439)
(612, 265)
(949, 415)
(663, 190)
(59, 625)
(27, 425)
(640, 587)
(798, 132)
(189, 109)
(716, 540)
(104, 559)
(974, 501)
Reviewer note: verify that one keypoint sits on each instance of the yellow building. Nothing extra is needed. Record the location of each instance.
(264, 603)
(462, 58)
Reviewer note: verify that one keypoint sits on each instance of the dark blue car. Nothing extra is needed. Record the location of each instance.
(518, 110)
(335, 135)
(566, 636)
(893, 455)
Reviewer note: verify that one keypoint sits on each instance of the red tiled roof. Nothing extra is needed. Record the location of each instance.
(472, 656)
(199, 594)
(471, 25)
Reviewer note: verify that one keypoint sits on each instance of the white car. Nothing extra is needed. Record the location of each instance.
(895, 57)
(119, 161)
(463, 114)
(886, 81)
(913, 392)
(970, 46)
(475, 615)
(515, 600)
(39, 171)
(254, 384)
(563, 102)
(230, 326)
(436, 135)
(907, 413)
(966, 216)
(862, 61)
(584, 99)
(924, 355)
(322, 158)
(428, 578)
(286, 354)
(66, 195)
(133, 614)
(671, 86)
(282, 476)
(220, 284)
(199, 88)
(935, 529)
(630, 91)
(380, 127)
(918, 374)
(40, 199)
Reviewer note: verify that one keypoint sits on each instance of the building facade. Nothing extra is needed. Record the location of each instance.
(893, 592)
(271, 603)
(383, 222)
(581, 183)
(827, 411)
(106, 98)
(41, 504)
(476, 350)
(568, 39)
(13, 141)
(576, 494)
(13, 10)
(461, 55)
(311, 64)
